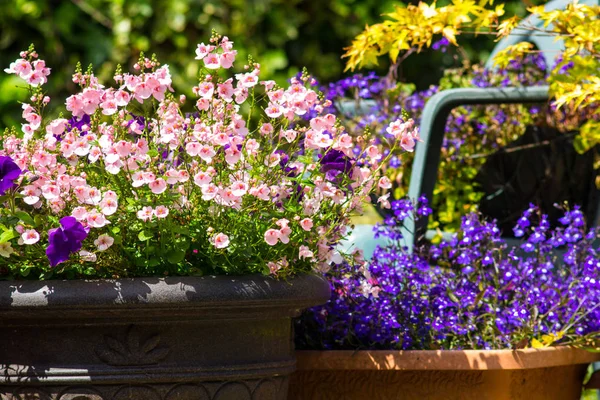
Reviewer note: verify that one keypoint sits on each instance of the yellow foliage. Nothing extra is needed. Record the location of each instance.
(413, 27)
(546, 340)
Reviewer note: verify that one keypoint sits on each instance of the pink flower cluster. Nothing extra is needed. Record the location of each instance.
(284, 188)
(32, 71)
(406, 133)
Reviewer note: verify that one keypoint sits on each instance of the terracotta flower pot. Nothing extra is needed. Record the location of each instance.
(188, 338)
(554, 373)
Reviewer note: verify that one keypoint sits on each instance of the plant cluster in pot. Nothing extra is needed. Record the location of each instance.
(148, 253)
(471, 318)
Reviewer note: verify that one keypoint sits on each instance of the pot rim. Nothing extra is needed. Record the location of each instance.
(206, 292)
(447, 360)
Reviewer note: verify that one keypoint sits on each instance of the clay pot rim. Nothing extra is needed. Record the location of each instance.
(448, 360)
(206, 292)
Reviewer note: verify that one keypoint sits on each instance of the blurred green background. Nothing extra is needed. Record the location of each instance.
(283, 35)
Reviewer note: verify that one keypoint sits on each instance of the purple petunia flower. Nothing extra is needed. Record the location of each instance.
(9, 171)
(78, 122)
(65, 240)
(333, 163)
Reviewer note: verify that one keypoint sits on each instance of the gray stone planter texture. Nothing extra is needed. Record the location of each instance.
(188, 338)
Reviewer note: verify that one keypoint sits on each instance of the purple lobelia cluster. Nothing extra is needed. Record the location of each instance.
(473, 292)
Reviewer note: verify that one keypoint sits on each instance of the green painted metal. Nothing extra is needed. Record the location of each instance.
(432, 130)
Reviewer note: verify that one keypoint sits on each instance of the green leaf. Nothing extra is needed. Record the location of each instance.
(145, 235)
(176, 256)
(38, 220)
(8, 235)
(23, 216)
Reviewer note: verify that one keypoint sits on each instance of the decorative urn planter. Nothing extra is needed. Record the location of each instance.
(554, 373)
(184, 338)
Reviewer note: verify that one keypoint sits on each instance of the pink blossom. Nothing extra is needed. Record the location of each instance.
(266, 129)
(80, 213)
(273, 111)
(203, 50)
(221, 241)
(225, 90)
(209, 192)
(383, 200)
(193, 148)
(206, 90)
(239, 188)
(272, 237)
(305, 252)
(161, 212)
(232, 155)
(145, 214)
(384, 183)
(108, 206)
(227, 59)
(32, 194)
(122, 98)
(56, 127)
(96, 220)
(207, 153)
(104, 242)
(211, 61)
(306, 224)
(30, 236)
(158, 186)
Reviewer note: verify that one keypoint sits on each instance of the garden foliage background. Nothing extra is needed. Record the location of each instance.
(285, 35)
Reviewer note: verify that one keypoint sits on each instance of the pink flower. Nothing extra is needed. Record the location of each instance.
(145, 214)
(306, 224)
(206, 90)
(104, 242)
(108, 206)
(202, 178)
(221, 241)
(272, 237)
(161, 212)
(227, 59)
(211, 61)
(239, 188)
(203, 50)
(96, 220)
(158, 186)
(207, 153)
(266, 129)
(373, 152)
(232, 155)
(407, 142)
(384, 183)
(80, 213)
(273, 111)
(193, 148)
(305, 252)
(209, 192)
(32, 194)
(30, 236)
(225, 90)
(284, 231)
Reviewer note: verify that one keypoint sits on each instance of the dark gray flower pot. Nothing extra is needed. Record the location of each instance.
(189, 338)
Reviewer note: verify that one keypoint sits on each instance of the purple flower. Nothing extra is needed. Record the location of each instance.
(75, 123)
(9, 171)
(65, 240)
(334, 163)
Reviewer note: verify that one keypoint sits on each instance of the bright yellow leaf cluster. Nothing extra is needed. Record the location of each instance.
(575, 81)
(546, 340)
(413, 27)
